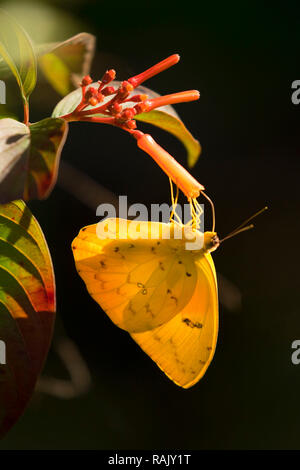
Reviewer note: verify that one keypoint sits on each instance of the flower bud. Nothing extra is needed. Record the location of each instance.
(86, 81)
(109, 90)
(128, 114)
(93, 101)
(130, 124)
(108, 76)
(142, 107)
(115, 108)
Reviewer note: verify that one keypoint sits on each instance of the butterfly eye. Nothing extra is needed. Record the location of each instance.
(215, 243)
(211, 241)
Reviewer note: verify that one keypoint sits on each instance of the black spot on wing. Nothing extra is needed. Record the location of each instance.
(192, 324)
(172, 296)
(148, 310)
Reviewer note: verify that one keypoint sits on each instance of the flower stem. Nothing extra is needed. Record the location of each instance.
(26, 113)
(106, 120)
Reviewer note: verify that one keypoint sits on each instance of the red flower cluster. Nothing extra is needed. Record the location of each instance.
(112, 111)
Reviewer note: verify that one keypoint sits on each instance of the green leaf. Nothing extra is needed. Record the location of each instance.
(165, 117)
(67, 104)
(29, 158)
(71, 101)
(6, 113)
(27, 308)
(176, 127)
(17, 51)
(47, 140)
(4, 69)
(64, 64)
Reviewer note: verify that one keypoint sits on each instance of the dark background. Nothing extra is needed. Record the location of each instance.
(243, 59)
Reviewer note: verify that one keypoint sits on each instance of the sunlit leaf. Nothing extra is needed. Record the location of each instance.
(67, 104)
(27, 308)
(17, 51)
(14, 154)
(29, 158)
(64, 64)
(164, 117)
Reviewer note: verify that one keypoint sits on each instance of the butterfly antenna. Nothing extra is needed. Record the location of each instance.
(213, 210)
(241, 228)
(236, 232)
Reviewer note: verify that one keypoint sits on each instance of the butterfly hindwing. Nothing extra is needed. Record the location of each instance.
(184, 347)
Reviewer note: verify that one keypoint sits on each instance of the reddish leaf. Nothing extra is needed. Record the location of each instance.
(29, 158)
(27, 308)
(47, 140)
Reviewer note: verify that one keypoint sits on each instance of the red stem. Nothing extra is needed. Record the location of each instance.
(26, 113)
(108, 120)
(101, 110)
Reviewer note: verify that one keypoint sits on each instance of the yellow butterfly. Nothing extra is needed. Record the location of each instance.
(149, 284)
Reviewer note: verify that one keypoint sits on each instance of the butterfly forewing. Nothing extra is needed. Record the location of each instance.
(140, 283)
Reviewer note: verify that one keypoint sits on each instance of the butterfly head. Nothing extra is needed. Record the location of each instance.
(211, 241)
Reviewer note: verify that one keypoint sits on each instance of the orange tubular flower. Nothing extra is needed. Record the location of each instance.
(182, 178)
(111, 111)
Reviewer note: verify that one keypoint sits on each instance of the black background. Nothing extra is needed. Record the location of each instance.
(243, 58)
